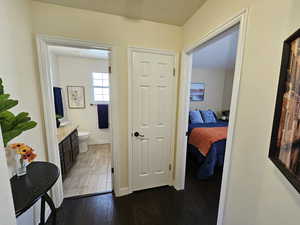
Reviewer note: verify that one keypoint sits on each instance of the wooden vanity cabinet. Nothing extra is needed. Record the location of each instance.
(68, 151)
(75, 144)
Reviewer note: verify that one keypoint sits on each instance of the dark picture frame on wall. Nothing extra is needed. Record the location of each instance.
(285, 141)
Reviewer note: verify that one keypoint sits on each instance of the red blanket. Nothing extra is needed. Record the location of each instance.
(202, 138)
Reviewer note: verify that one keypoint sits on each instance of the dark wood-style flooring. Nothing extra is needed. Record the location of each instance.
(196, 205)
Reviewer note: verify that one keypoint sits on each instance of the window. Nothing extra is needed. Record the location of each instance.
(100, 87)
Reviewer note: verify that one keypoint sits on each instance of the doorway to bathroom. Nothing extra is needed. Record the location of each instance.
(81, 90)
(77, 82)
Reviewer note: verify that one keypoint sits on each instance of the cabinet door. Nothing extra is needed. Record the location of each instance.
(68, 158)
(75, 144)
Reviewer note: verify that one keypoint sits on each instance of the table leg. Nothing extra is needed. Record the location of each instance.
(42, 216)
(46, 198)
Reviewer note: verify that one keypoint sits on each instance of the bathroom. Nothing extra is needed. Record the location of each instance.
(81, 93)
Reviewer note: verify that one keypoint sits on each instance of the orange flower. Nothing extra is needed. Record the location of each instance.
(24, 150)
(16, 146)
(30, 157)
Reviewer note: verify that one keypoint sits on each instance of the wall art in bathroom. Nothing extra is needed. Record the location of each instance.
(76, 97)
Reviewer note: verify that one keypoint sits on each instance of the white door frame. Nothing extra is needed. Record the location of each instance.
(183, 111)
(43, 41)
(130, 119)
(7, 211)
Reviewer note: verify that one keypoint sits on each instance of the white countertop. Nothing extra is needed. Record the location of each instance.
(63, 132)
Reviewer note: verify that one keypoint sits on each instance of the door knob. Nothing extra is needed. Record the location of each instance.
(137, 134)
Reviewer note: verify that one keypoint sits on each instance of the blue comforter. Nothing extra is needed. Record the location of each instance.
(206, 164)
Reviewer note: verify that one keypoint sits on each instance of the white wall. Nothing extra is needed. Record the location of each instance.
(77, 71)
(116, 30)
(214, 80)
(227, 93)
(218, 88)
(19, 66)
(7, 208)
(258, 193)
(213, 64)
(54, 69)
(18, 69)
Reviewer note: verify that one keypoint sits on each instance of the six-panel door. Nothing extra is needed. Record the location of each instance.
(152, 87)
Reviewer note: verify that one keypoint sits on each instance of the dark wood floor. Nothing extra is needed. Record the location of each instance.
(196, 205)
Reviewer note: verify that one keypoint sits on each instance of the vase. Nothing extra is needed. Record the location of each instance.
(20, 166)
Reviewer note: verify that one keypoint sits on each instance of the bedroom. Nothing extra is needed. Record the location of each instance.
(213, 66)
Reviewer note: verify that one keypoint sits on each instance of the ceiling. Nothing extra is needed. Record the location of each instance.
(79, 52)
(219, 53)
(175, 12)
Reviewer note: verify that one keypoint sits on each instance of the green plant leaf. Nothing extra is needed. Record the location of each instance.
(8, 136)
(11, 125)
(26, 125)
(8, 104)
(58, 116)
(21, 118)
(1, 87)
(4, 97)
(7, 121)
(6, 115)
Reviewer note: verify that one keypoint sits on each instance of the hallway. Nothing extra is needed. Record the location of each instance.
(159, 206)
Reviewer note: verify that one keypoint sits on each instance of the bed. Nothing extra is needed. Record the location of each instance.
(214, 157)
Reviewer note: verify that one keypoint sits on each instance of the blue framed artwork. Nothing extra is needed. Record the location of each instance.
(197, 92)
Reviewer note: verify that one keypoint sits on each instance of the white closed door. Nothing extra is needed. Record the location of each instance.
(152, 96)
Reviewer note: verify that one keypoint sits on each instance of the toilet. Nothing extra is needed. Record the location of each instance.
(83, 137)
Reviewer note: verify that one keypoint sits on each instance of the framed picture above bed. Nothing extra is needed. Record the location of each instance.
(197, 92)
(76, 97)
(285, 142)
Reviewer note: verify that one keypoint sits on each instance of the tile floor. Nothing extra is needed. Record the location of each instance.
(91, 173)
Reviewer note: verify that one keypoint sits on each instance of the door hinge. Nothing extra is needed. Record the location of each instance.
(109, 69)
(170, 166)
(112, 170)
(174, 72)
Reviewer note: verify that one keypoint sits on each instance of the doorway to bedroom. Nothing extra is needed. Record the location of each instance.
(211, 85)
(81, 90)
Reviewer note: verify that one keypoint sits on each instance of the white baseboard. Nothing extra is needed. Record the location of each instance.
(178, 188)
(123, 191)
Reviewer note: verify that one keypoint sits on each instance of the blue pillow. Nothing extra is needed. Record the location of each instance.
(195, 117)
(208, 116)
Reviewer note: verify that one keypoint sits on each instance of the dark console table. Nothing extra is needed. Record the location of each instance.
(28, 189)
